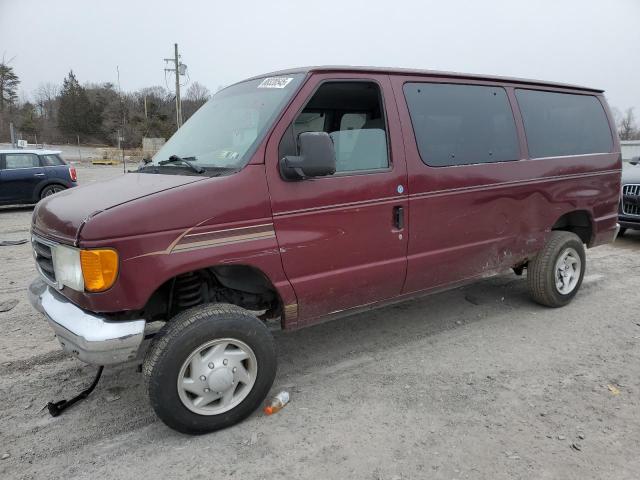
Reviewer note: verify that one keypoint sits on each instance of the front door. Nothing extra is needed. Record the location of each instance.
(342, 238)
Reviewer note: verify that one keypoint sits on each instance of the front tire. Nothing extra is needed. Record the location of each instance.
(210, 367)
(555, 275)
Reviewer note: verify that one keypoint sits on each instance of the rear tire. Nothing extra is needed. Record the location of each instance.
(555, 275)
(210, 367)
(50, 190)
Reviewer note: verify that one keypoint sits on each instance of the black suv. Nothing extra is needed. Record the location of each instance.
(26, 176)
(629, 216)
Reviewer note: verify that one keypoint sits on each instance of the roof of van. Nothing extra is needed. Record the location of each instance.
(30, 150)
(426, 73)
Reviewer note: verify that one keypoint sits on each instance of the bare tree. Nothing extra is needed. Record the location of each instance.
(627, 128)
(45, 97)
(198, 93)
(195, 96)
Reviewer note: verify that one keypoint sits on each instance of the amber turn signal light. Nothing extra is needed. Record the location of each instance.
(99, 269)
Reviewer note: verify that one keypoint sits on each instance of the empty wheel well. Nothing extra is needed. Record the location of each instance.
(578, 222)
(240, 285)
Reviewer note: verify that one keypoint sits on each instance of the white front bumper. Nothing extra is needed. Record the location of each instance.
(91, 338)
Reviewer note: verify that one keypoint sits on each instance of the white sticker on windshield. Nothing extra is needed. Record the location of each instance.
(275, 82)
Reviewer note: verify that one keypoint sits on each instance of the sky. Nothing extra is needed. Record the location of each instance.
(587, 42)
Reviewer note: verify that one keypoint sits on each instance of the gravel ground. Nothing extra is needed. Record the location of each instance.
(475, 383)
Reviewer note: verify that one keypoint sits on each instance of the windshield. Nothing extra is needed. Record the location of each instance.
(224, 132)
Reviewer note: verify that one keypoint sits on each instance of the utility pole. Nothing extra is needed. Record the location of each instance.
(121, 136)
(179, 69)
(12, 131)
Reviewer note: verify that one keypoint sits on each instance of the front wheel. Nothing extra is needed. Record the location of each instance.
(210, 367)
(554, 276)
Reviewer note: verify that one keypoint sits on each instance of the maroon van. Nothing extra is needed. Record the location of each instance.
(308, 194)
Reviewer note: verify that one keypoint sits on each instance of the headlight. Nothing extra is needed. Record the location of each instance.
(93, 270)
(66, 263)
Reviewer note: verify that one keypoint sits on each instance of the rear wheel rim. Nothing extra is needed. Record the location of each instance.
(50, 191)
(567, 271)
(217, 376)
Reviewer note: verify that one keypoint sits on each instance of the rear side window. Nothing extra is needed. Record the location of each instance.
(21, 160)
(461, 124)
(51, 160)
(558, 124)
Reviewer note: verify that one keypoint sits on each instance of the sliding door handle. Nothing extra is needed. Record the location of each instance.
(398, 217)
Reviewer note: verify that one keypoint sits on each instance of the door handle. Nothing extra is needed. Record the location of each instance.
(38, 174)
(398, 217)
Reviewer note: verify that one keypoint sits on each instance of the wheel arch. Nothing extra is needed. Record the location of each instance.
(579, 222)
(48, 184)
(241, 284)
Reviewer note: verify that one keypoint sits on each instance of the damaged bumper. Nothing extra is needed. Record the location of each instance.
(88, 336)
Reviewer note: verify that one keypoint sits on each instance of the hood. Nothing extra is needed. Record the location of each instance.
(61, 216)
(630, 174)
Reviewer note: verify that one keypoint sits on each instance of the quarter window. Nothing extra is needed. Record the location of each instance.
(461, 124)
(559, 124)
(21, 160)
(51, 160)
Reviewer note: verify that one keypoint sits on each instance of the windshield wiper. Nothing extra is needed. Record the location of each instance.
(177, 159)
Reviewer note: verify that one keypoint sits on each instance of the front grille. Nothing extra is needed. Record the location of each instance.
(44, 258)
(631, 200)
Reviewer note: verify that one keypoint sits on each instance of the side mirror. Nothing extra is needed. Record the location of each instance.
(635, 161)
(317, 158)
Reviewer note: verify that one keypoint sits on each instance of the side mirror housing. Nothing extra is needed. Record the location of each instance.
(317, 158)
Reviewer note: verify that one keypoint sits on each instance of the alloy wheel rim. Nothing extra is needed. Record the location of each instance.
(217, 376)
(52, 190)
(567, 271)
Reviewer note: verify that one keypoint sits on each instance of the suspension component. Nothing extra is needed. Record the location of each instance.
(188, 291)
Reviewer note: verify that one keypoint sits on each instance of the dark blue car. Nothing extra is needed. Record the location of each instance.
(26, 176)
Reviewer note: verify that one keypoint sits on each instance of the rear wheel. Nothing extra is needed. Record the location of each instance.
(210, 367)
(555, 275)
(50, 190)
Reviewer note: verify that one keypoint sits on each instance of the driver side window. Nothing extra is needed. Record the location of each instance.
(352, 114)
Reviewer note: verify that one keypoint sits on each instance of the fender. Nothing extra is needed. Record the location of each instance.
(224, 221)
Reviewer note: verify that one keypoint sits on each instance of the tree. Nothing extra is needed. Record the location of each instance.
(195, 96)
(74, 113)
(198, 93)
(627, 129)
(107, 111)
(9, 82)
(45, 96)
(28, 123)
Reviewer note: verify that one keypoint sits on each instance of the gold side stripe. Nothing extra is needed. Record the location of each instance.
(250, 227)
(181, 247)
(180, 244)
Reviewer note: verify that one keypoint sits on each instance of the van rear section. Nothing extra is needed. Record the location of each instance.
(499, 166)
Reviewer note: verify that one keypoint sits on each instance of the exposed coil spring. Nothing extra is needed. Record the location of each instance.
(188, 290)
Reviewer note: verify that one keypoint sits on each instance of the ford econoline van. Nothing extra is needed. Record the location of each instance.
(308, 194)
